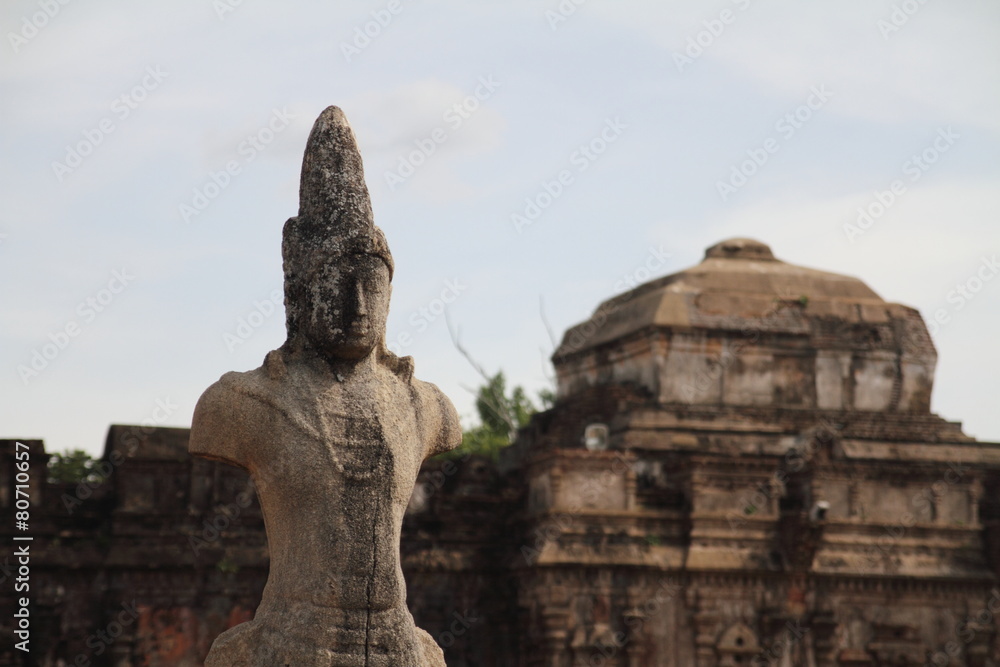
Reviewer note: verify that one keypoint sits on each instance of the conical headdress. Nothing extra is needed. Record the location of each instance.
(335, 213)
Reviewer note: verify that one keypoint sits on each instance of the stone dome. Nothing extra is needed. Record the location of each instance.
(742, 326)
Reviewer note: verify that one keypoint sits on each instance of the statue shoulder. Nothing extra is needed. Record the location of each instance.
(430, 397)
(441, 426)
(223, 427)
(222, 390)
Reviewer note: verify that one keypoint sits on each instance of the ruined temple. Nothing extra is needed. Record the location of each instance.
(741, 468)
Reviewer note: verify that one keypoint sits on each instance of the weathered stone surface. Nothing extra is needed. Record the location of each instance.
(745, 329)
(333, 429)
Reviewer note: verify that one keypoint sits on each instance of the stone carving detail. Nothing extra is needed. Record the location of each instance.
(333, 429)
(736, 646)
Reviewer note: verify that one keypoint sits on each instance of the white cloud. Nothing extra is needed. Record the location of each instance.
(928, 234)
(940, 64)
(434, 127)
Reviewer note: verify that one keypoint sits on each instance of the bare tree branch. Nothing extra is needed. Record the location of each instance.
(545, 321)
(454, 333)
(546, 358)
(497, 404)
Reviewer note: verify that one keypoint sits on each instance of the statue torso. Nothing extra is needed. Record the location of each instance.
(334, 464)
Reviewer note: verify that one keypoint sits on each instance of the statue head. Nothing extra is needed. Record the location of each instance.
(337, 263)
(347, 305)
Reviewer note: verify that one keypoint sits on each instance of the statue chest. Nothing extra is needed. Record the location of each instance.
(358, 449)
(351, 445)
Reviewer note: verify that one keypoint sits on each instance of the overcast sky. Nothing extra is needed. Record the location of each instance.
(150, 153)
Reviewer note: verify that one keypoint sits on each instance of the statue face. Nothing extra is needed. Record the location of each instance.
(348, 306)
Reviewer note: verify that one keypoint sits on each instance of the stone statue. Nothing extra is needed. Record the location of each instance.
(333, 429)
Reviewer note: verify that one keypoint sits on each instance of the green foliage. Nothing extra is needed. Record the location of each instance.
(501, 414)
(482, 441)
(227, 566)
(547, 397)
(72, 467)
